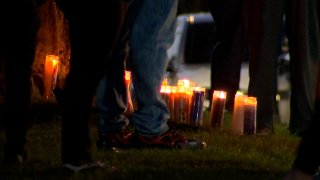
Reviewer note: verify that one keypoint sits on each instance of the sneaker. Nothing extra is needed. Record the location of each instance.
(167, 140)
(121, 139)
(81, 167)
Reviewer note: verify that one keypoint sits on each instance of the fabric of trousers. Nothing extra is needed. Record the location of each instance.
(17, 48)
(152, 34)
(111, 98)
(264, 32)
(93, 28)
(149, 29)
(229, 48)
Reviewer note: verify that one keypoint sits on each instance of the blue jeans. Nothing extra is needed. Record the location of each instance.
(151, 34)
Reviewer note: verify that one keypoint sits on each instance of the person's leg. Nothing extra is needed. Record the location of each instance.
(229, 50)
(18, 47)
(264, 28)
(152, 34)
(304, 44)
(91, 42)
(112, 97)
(111, 104)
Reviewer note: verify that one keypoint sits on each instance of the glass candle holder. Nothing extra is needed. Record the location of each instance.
(50, 75)
(249, 118)
(238, 114)
(196, 106)
(217, 109)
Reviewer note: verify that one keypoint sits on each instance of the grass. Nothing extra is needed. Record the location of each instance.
(227, 156)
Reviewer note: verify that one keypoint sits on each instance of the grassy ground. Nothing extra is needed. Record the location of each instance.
(227, 156)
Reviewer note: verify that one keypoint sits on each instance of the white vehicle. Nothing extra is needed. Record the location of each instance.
(189, 56)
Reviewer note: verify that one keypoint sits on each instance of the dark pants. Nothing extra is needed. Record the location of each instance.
(93, 28)
(265, 26)
(17, 38)
(228, 52)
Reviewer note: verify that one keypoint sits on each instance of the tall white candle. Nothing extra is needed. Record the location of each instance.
(238, 114)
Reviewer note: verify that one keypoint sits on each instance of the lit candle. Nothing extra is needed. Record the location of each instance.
(217, 109)
(181, 105)
(129, 109)
(167, 95)
(249, 119)
(188, 88)
(50, 75)
(238, 113)
(196, 110)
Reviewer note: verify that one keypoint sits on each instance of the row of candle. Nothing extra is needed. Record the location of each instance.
(185, 102)
(244, 114)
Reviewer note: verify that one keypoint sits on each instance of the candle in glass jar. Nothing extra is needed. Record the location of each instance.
(196, 106)
(181, 103)
(217, 109)
(188, 89)
(249, 118)
(238, 113)
(130, 108)
(167, 95)
(50, 75)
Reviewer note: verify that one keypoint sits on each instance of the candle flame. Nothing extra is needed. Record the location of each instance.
(220, 94)
(186, 83)
(173, 89)
(165, 82)
(251, 100)
(239, 93)
(199, 89)
(127, 75)
(166, 89)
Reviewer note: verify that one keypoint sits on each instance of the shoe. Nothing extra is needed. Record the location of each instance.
(81, 167)
(167, 140)
(121, 139)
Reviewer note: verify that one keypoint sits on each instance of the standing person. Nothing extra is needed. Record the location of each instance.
(151, 28)
(90, 47)
(18, 41)
(91, 42)
(307, 160)
(264, 28)
(229, 47)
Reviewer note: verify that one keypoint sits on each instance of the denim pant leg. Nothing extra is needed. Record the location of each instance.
(111, 101)
(152, 34)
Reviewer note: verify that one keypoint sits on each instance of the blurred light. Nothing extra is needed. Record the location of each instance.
(190, 19)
